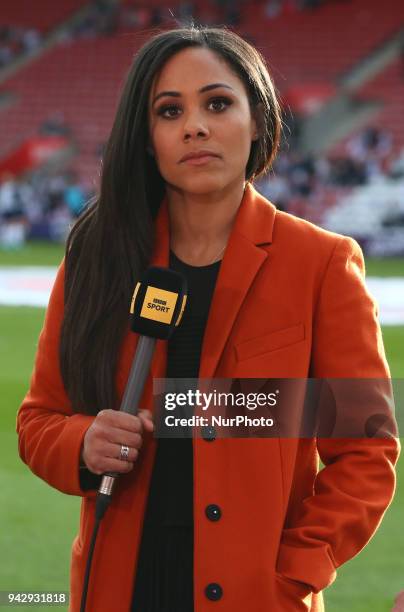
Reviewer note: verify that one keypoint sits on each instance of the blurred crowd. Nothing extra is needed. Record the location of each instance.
(303, 184)
(274, 8)
(41, 206)
(15, 41)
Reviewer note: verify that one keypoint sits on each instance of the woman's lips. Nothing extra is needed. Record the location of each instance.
(199, 161)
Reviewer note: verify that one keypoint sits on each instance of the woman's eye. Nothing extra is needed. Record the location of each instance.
(163, 110)
(222, 101)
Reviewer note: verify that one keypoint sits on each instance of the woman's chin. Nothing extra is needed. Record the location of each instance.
(200, 185)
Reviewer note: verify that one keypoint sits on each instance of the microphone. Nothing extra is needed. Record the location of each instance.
(157, 306)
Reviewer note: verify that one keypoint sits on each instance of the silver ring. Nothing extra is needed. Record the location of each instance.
(124, 455)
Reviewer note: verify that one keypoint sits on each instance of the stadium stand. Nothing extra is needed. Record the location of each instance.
(387, 88)
(41, 14)
(79, 78)
(322, 44)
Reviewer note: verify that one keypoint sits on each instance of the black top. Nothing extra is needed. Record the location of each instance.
(164, 580)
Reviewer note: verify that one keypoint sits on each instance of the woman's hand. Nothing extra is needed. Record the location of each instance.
(109, 431)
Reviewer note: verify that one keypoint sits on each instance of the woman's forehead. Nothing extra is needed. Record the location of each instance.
(191, 69)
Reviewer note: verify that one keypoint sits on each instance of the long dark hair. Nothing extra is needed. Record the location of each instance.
(111, 243)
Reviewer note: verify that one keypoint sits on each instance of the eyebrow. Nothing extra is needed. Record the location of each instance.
(176, 94)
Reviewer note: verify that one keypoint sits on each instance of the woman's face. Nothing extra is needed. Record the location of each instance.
(197, 102)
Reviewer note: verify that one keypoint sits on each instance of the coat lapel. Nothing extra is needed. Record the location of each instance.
(241, 262)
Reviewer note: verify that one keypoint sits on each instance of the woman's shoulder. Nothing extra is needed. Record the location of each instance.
(306, 236)
(290, 230)
(58, 287)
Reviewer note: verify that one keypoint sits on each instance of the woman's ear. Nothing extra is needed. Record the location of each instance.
(257, 121)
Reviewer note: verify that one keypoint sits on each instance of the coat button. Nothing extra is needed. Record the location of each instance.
(213, 591)
(208, 433)
(213, 512)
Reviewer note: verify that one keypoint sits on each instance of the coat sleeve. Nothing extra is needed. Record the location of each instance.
(50, 435)
(356, 485)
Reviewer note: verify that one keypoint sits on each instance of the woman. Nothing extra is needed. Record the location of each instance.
(239, 524)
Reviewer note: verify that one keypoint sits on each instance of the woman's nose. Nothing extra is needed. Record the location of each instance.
(194, 126)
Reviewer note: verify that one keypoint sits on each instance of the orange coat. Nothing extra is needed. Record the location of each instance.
(290, 301)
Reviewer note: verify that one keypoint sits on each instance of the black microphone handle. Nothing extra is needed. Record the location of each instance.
(133, 392)
(138, 373)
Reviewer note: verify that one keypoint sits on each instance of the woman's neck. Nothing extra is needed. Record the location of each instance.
(200, 224)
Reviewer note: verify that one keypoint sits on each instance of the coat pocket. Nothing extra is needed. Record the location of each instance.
(272, 341)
